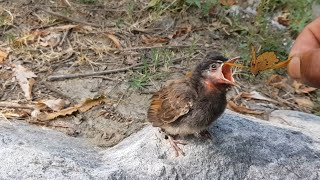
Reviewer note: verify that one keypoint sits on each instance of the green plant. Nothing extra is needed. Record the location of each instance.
(141, 78)
(88, 1)
(161, 57)
(155, 68)
(9, 37)
(300, 13)
(130, 10)
(203, 5)
(194, 3)
(161, 6)
(139, 81)
(120, 23)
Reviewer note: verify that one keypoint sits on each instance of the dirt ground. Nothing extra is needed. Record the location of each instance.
(112, 35)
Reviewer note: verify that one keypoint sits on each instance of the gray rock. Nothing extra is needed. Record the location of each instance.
(307, 123)
(242, 148)
(32, 152)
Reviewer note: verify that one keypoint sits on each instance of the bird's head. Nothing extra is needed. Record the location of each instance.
(214, 72)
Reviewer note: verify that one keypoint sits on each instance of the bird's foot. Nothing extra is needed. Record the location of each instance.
(174, 143)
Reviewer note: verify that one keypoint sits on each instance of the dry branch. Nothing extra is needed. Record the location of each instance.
(15, 105)
(69, 19)
(70, 76)
(198, 46)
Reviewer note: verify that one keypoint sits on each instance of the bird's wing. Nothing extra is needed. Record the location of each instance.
(171, 102)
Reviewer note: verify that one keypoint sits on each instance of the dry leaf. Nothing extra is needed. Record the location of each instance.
(180, 32)
(3, 56)
(146, 39)
(304, 102)
(274, 79)
(30, 38)
(17, 113)
(65, 3)
(15, 105)
(228, 2)
(54, 104)
(25, 79)
(89, 103)
(242, 109)
(49, 116)
(85, 29)
(279, 82)
(299, 88)
(63, 27)
(115, 40)
(51, 40)
(189, 74)
(262, 62)
(265, 61)
(296, 85)
(306, 90)
(35, 113)
(82, 107)
(256, 95)
(283, 19)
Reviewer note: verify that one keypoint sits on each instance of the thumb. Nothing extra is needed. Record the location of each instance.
(305, 67)
(310, 67)
(294, 68)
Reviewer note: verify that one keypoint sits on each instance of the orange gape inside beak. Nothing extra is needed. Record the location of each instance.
(227, 72)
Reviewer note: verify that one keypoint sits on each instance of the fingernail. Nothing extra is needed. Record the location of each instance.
(294, 68)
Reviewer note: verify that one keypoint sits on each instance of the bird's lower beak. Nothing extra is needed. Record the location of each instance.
(226, 76)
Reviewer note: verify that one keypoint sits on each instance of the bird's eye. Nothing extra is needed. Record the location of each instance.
(213, 66)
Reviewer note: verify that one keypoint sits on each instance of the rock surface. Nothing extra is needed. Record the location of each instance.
(32, 152)
(242, 148)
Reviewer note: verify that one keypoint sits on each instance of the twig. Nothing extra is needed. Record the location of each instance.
(15, 105)
(64, 37)
(70, 57)
(4, 117)
(115, 9)
(70, 76)
(167, 47)
(104, 78)
(45, 26)
(68, 18)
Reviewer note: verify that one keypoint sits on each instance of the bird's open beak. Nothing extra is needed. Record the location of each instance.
(225, 75)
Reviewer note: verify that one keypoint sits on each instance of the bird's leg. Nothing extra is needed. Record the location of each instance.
(174, 143)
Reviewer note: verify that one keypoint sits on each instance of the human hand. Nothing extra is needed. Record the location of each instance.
(305, 63)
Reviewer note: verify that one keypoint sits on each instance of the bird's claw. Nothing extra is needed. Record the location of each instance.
(174, 143)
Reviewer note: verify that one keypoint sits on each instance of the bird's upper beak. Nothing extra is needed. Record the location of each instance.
(224, 73)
